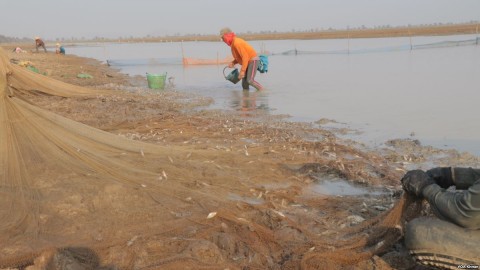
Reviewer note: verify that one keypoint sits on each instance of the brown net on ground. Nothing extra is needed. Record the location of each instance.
(361, 242)
(72, 192)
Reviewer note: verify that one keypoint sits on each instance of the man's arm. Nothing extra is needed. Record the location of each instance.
(463, 178)
(460, 207)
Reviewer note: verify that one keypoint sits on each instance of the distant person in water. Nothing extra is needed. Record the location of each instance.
(39, 43)
(243, 54)
(60, 49)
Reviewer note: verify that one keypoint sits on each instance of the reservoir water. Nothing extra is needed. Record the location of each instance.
(376, 86)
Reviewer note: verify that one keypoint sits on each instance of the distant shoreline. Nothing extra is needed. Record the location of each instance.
(412, 31)
(454, 29)
(457, 29)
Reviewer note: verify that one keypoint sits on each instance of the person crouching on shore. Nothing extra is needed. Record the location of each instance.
(60, 49)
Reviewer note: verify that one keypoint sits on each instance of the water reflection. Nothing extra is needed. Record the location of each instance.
(339, 187)
(249, 103)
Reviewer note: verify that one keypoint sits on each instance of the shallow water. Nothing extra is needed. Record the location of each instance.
(339, 187)
(253, 201)
(426, 94)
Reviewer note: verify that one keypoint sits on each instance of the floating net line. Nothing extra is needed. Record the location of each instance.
(445, 44)
(169, 61)
(441, 44)
(358, 51)
(202, 61)
(145, 62)
(68, 189)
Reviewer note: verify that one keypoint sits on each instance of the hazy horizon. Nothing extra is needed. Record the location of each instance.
(54, 19)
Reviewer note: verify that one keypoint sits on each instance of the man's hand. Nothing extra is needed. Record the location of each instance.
(415, 181)
(241, 75)
(231, 65)
(442, 176)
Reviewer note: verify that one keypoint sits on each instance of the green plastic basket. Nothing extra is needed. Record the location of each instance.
(34, 69)
(156, 81)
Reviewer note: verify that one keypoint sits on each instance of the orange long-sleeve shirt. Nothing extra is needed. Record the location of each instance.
(242, 52)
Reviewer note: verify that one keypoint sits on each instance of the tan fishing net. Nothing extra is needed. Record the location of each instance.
(73, 193)
(53, 169)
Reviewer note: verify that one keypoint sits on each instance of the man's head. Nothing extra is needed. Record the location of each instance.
(227, 35)
(37, 38)
(224, 31)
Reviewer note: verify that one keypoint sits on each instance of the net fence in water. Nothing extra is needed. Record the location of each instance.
(408, 47)
(346, 51)
(445, 44)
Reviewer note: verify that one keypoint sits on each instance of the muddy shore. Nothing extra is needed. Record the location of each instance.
(285, 160)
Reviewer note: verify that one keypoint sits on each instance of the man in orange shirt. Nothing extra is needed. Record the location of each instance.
(245, 55)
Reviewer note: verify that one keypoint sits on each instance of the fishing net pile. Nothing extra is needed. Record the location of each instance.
(57, 174)
(70, 192)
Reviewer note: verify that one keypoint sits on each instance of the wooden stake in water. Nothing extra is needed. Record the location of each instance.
(410, 37)
(477, 35)
(183, 51)
(348, 39)
(105, 52)
(184, 61)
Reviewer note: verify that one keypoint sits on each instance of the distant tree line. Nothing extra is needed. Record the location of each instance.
(4, 39)
(267, 32)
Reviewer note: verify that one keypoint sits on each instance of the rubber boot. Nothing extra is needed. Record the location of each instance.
(434, 242)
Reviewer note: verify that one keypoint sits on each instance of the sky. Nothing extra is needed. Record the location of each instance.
(53, 19)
